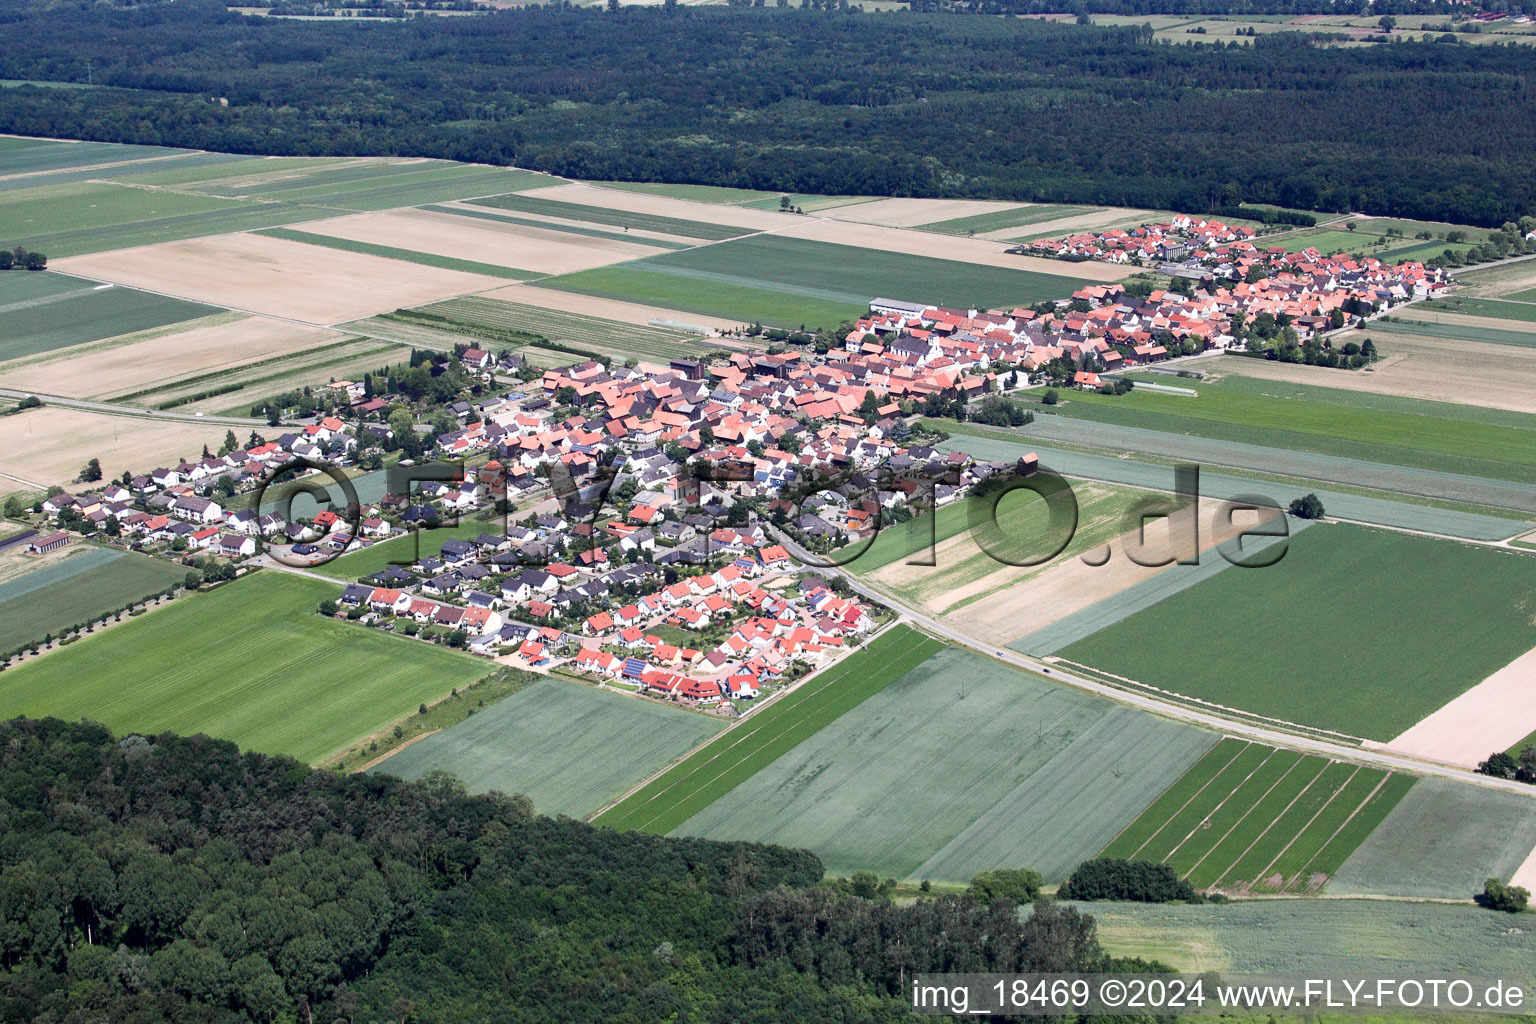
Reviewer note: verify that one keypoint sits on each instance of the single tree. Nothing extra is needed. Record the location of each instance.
(1309, 506)
(92, 471)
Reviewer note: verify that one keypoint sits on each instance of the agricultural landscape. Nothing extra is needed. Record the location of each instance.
(914, 689)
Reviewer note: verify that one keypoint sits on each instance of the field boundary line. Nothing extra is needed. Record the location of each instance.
(1273, 822)
(1345, 823)
(1326, 804)
(722, 734)
(1193, 797)
(1236, 824)
(738, 741)
(1222, 803)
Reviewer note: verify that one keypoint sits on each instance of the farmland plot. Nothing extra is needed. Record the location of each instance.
(51, 445)
(69, 592)
(569, 748)
(1470, 616)
(959, 766)
(47, 311)
(281, 679)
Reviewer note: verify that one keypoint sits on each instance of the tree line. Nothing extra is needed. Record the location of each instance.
(816, 101)
(166, 878)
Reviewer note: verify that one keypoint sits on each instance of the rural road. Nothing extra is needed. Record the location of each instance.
(124, 410)
(1275, 737)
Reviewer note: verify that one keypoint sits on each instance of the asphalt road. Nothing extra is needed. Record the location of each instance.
(1275, 737)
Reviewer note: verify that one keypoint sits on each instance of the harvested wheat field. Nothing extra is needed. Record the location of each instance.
(661, 206)
(1414, 366)
(911, 213)
(608, 309)
(1525, 874)
(257, 274)
(1500, 280)
(947, 247)
(541, 251)
(135, 362)
(1092, 220)
(1494, 715)
(1070, 585)
(51, 445)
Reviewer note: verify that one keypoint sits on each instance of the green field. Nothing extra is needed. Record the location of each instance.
(355, 565)
(746, 303)
(1520, 306)
(250, 662)
(1360, 631)
(738, 754)
(426, 259)
(47, 311)
(960, 766)
(1000, 219)
(558, 226)
(697, 193)
(1249, 817)
(615, 218)
(30, 156)
(588, 333)
(1321, 938)
(70, 219)
(375, 186)
(570, 748)
(790, 282)
(1456, 332)
(1328, 421)
(1442, 840)
(808, 203)
(91, 582)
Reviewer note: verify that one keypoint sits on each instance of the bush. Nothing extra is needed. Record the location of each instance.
(1511, 899)
(1011, 886)
(1051, 397)
(1134, 880)
(1308, 506)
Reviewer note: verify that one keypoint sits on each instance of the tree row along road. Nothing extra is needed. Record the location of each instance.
(1275, 737)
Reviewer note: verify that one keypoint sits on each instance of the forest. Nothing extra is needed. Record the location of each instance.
(809, 100)
(177, 879)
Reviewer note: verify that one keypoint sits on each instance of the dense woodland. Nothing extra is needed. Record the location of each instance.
(809, 100)
(171, 879)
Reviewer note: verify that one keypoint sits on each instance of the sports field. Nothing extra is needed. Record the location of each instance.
(569, 748)
(250, 662)
(1249, 817)
(960, 766)
(91, 581)
(738, 754)
(1329, 421)
(1442, 840)
(46, 311)
(1359, 631)
(1321, 938)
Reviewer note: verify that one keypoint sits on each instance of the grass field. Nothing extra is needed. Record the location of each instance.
(1341, 647)
(1249, 817)
(250, 662)
(47, 311)
(30, 156)
(589, 333)
(1442, 840)
(616, 218)
(557, 226)
(91, 582)
(960, 766)
(744, 302)
(1520, 306)
(426, 259)
(383, 186)
(1317, 938)
(570, 748)
(1329, 421)
(673, 797)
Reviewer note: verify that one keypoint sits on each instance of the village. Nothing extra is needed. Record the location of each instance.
(635, 514)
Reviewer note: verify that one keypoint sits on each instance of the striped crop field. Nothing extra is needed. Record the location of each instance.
(1252, 818)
